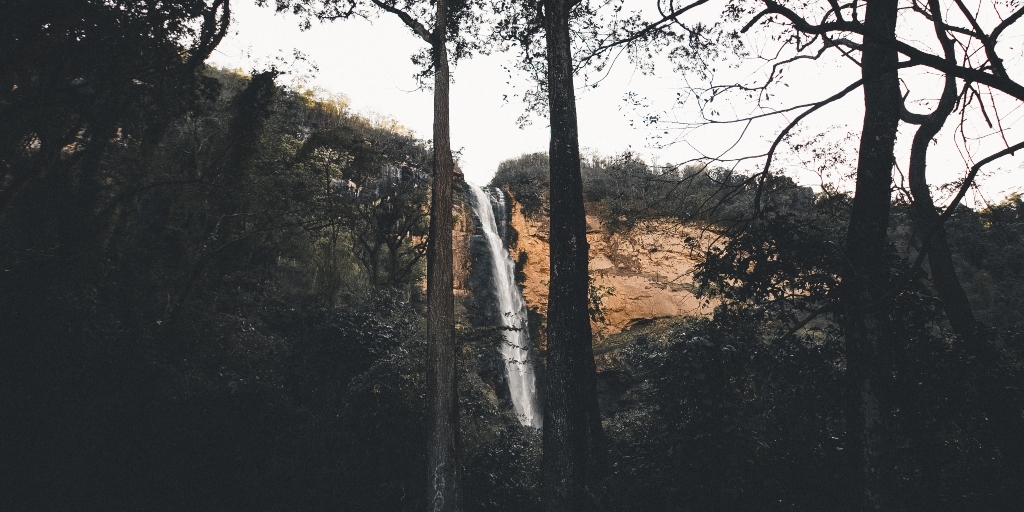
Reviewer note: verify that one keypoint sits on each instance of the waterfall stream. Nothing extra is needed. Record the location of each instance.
(516, 347)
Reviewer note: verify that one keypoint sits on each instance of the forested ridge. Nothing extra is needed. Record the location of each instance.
(753, 394)
(214, 290)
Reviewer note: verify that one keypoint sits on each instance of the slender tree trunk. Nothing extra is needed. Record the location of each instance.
(991, 393)
(866, 285)
(573, 449)
(940, 260)
(442, 384)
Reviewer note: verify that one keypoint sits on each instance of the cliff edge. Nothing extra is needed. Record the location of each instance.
(638, 275)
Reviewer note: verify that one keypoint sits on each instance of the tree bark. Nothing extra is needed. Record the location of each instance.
(573, 458)
(442, 379)
(866, 285)
(926, 217)
(929, 225)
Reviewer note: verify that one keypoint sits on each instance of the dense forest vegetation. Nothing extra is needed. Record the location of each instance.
(744, 410)
(235, 322)
(213, 297)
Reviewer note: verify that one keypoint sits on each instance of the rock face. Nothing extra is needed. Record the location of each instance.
(639, 275)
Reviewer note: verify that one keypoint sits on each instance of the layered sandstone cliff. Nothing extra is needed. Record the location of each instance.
(639, 275)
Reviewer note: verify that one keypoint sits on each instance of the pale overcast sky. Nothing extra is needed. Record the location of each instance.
(369, 61)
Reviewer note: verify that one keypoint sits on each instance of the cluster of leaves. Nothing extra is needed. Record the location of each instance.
(627, 190)
(714, 418)
(68, 66)
(501, 457)
(988, 246)
(204, 369)
(785, 263)
(527, 180)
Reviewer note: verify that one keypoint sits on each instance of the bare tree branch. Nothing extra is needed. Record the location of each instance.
(1002, 83)
(789, 127)
(409, 21)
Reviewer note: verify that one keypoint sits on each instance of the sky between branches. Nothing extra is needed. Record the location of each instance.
(369, 62)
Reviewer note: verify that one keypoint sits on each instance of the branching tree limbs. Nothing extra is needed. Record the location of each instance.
(957, 42)
(866, 34)
(988, 72)
(840, 23)
(604, 41)
(867, 287)
(842, 27)
(927, 218)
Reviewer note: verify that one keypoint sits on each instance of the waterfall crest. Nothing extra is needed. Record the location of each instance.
(516, 347)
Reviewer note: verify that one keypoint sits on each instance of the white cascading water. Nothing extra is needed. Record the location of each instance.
(516, 349)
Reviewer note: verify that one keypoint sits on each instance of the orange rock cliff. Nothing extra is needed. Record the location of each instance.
(639, 275)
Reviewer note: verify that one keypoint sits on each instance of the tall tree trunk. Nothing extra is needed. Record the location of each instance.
(442, 384)
(866, 293)
(573, 449)
(929, 225)
(991, 392)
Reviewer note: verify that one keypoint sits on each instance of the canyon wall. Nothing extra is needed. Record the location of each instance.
(640, 275)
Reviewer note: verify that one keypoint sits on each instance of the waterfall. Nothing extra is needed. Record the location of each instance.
(516, 347)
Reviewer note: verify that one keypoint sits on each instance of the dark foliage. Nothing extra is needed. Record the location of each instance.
(725, 413)
(210, 331)
(210, 299)
(526, 179)
(745, 410)
(624, 190)
(716, 419)
(987, 246)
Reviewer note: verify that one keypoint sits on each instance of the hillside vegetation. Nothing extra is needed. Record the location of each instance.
(214, 287)
(752, 392)
(230, 317)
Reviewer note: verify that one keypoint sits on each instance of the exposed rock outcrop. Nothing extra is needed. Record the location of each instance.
(639, 275)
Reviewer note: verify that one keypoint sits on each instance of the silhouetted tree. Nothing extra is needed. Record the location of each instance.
(927, 218)
(573, 441)
(436, 23)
